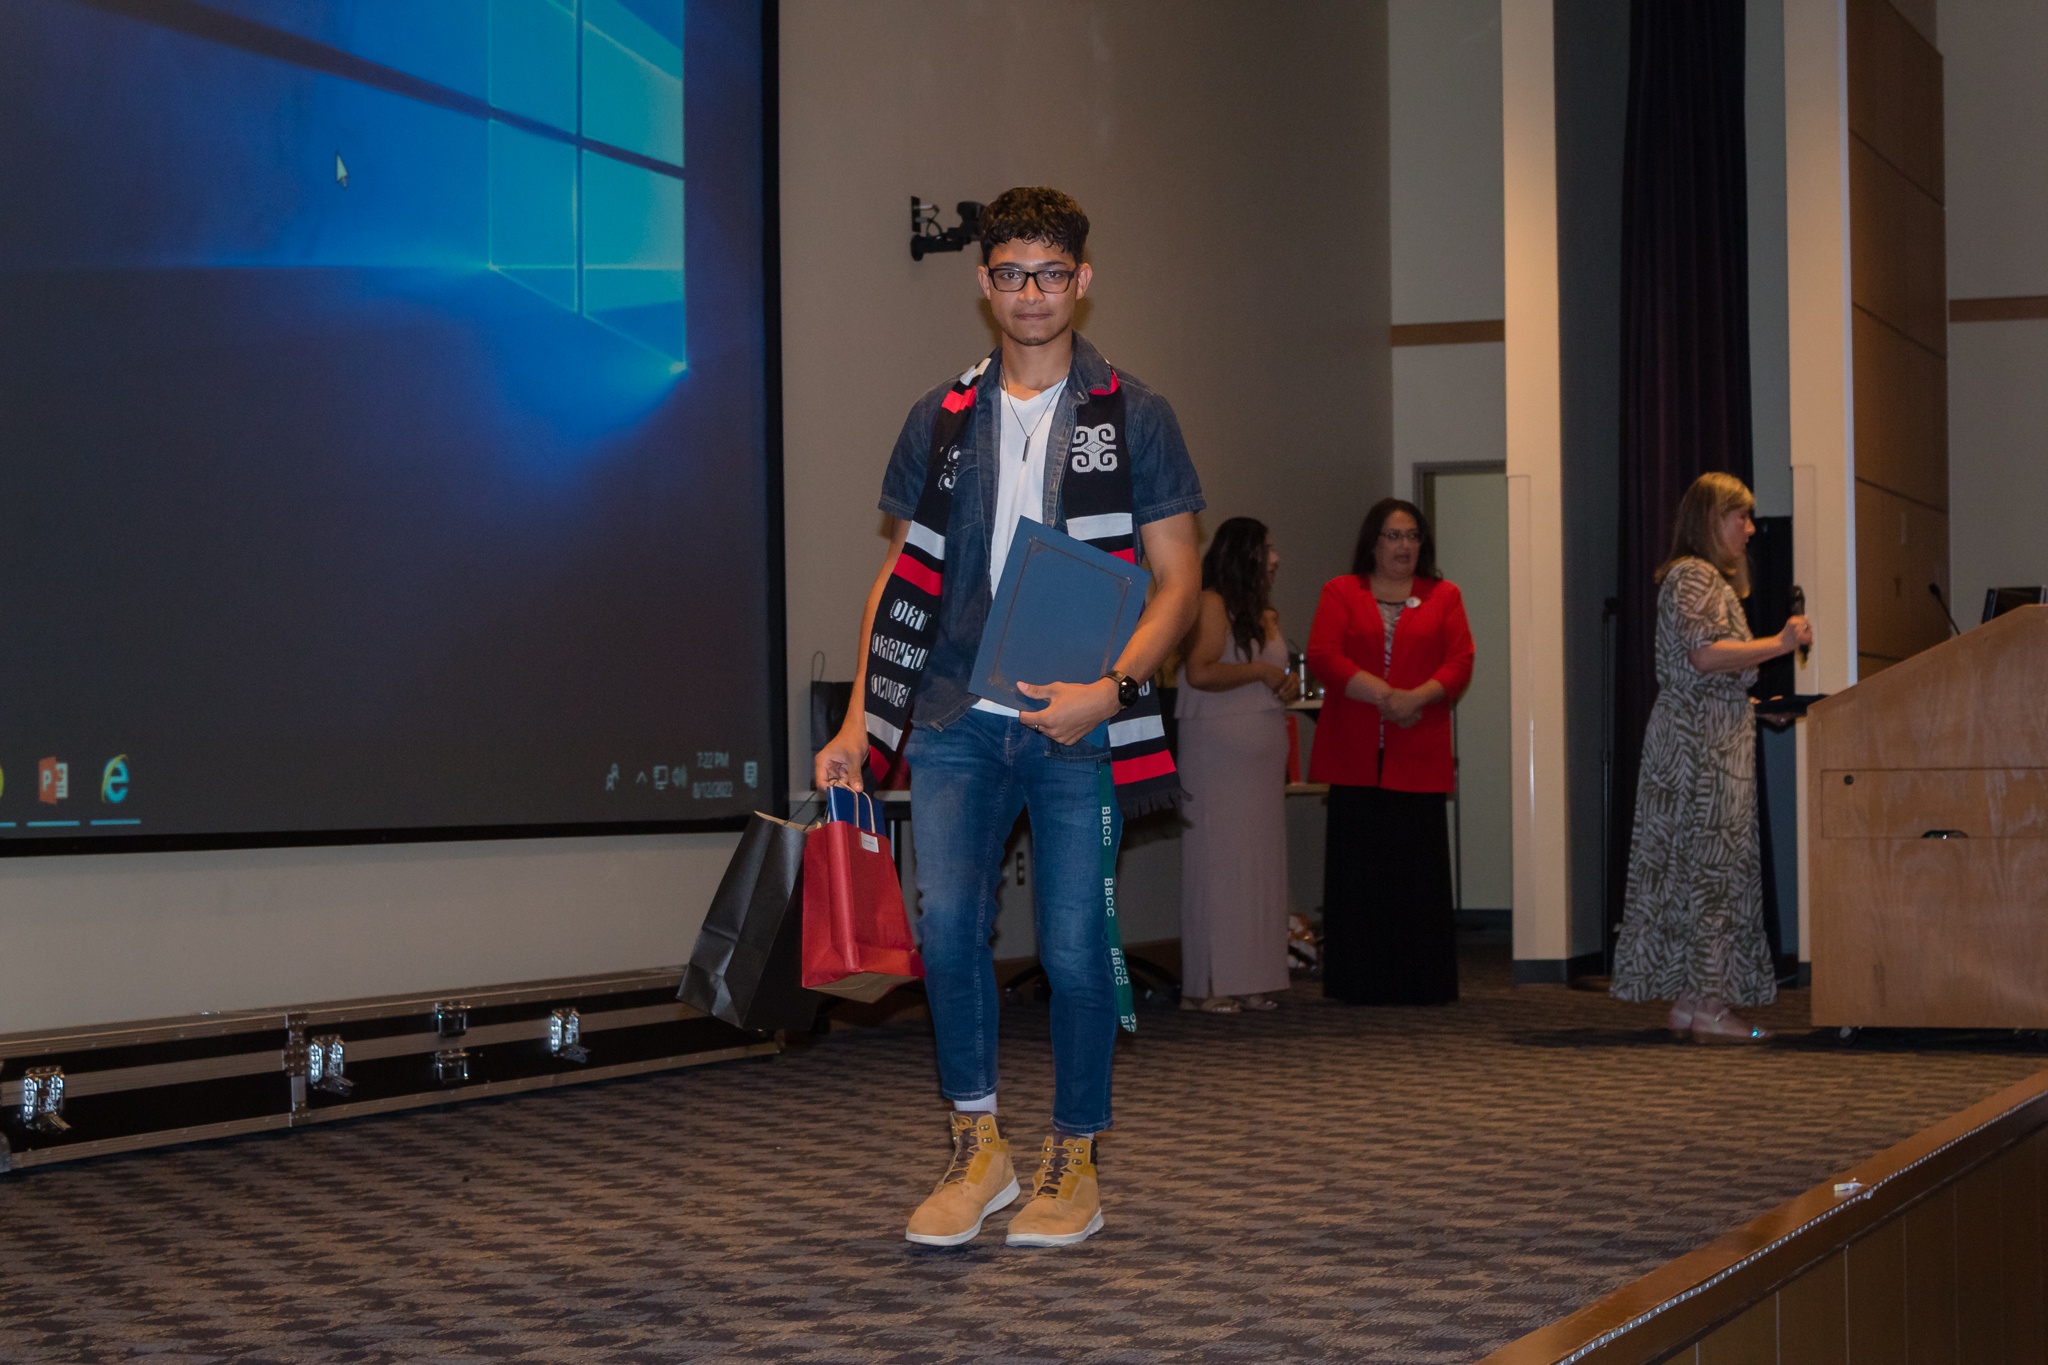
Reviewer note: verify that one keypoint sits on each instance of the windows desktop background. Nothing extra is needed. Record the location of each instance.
(382, 416)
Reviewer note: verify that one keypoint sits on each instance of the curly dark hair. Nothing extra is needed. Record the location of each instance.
(1235, 570)
(1033, 213)
(1369, 539)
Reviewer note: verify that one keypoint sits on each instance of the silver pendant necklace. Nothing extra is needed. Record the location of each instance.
(1030, 435)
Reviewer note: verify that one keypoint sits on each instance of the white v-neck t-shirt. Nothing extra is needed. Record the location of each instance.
(1020, 490)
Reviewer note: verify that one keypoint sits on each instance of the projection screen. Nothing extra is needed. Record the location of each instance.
(386, 446)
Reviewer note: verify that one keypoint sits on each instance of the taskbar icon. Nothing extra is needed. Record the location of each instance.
(53, 788)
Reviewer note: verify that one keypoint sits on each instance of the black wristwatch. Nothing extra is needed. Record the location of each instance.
(1127, 688)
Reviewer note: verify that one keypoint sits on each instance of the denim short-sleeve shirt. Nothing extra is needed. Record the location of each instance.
(1163, 484)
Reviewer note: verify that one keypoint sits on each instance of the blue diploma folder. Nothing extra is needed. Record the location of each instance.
(1063, 612)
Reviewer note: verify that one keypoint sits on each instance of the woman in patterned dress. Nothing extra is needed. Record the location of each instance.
(1692, 928)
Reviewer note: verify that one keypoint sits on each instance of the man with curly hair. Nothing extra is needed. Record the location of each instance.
(971, 463)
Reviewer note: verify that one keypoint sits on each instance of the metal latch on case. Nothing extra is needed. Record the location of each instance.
(42, 1100)
(565, 1036)
(325, 1057)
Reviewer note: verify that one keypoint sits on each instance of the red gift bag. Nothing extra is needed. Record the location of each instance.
(856, 934)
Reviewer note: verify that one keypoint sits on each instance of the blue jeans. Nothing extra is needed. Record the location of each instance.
(970, 779)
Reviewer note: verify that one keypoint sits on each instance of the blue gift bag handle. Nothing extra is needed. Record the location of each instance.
(865, 814)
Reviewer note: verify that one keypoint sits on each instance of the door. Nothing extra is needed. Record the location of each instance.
(1467, 507)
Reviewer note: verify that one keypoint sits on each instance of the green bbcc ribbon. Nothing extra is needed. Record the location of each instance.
(1105, 793)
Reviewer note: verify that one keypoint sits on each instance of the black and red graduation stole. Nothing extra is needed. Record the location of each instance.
(1096, 490)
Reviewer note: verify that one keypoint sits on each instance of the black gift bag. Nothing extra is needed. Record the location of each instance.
(747, 964)
(830, 701)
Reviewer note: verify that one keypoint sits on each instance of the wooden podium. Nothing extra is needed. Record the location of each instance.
(1911, 929)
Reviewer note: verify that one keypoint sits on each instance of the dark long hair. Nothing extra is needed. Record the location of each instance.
(1369, 539)
(1235, 570)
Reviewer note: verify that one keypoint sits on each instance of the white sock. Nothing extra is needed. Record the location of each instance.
(985, 1105)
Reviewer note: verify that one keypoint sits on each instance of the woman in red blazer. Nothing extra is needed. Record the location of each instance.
(1393, 650)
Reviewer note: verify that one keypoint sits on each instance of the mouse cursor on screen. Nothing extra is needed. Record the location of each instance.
(340, 171)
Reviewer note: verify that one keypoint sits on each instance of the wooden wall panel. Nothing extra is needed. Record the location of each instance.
(1751, 1339)
(1898, 282)
(1875, 1273)
(1980, 1280)
(1921, 15)
(1895, 92)
(1901, 413)
(2020, 1210)
(1957, 1279)
(1941, 1258)
(1931, 1281)
(1897, 267)
(1901, 547)
(1812, 1327)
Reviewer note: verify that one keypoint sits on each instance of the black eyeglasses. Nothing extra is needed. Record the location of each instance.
(1051, 280)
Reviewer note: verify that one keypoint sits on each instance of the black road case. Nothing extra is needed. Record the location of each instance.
(72, 1093)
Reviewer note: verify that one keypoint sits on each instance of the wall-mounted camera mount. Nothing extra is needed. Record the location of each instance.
(926, 236)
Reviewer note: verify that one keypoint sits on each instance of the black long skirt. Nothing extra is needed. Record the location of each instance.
(1389, 935)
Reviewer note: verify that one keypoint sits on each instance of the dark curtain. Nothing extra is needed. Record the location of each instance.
(1685, 328)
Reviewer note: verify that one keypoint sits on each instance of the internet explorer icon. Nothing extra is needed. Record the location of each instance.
(114, 780)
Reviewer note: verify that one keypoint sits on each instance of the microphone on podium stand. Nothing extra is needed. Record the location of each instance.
(1935, 588)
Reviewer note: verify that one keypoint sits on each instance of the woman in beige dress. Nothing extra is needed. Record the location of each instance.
(1692, 929)
(1234, 686)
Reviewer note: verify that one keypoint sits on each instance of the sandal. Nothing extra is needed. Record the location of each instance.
(1215, 1004)
(1722, 1025)
(1679, 1021)
(1258, 1002)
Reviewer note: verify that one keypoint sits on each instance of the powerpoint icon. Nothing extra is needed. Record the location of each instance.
(53, 781)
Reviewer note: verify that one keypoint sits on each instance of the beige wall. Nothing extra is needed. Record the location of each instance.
(1996, 126)
(1818, 356)
(1237, 175)
(1542, 921)
(1995, 114)
(1444, 161)
(145, 935)
(1770, 388)
(1450, 401)
(1444, 93)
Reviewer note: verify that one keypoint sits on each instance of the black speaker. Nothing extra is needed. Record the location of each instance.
(1769, 604)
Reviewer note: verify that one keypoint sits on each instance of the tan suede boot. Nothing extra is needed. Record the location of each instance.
(1065, 1205)
(979, 1181)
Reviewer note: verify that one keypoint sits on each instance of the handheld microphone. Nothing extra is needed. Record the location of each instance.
(1935, 588)
(1799, 609)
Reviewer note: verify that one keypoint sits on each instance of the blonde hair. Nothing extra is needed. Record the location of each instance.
(1697, 532)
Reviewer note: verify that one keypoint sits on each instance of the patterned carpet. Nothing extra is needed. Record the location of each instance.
(1317, 1184)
